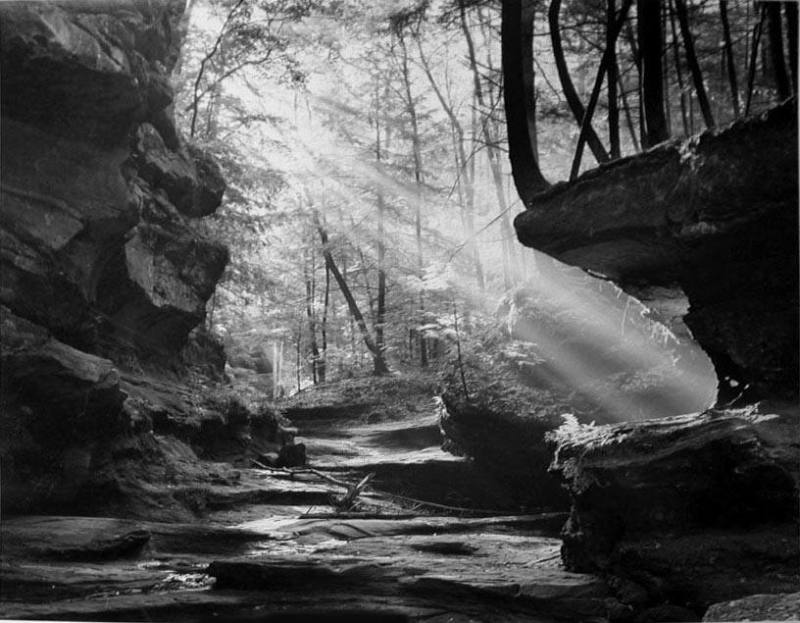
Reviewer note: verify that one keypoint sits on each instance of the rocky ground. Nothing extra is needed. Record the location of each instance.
(431, 536)
(419, 541)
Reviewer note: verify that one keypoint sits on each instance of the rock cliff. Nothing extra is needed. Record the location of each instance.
(104, 273)
(716, 216)
(700, 508)
(98, 188)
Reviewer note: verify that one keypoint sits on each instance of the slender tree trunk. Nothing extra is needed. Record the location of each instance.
(311, 314)
(791, 36)
(637, 60)
(678, 70)
(651, 47)
(751, 73)
(323, 362)
(613, 78)
(378, 359)
(528, 17)
(571, 95)
(694, 66)
(776, 50)
(297, 352)
(380, 314)
(665, 69)
(196, 95)
(726, 34)
(495, 159)
(416, 150)
(465, 182)
(518, 97)
(598, 83)
(380, 317)
(628, 117)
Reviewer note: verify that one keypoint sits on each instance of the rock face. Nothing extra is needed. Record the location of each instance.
(717, 216)
(693, 509)
(102, 267)
(97, 186)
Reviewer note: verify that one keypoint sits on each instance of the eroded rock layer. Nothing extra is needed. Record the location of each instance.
(98, 188)
(718, 216)
(694, 509)
(104, 273)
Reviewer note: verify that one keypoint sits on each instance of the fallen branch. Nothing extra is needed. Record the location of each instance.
(461, 509)
(303, 470)
(347, 501)
(357, 515)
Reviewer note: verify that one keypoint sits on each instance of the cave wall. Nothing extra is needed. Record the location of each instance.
(715, 215)
(103, 271)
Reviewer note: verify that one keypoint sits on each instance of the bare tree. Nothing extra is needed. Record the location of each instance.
(691, 60)
(378, 358)
(571, 95)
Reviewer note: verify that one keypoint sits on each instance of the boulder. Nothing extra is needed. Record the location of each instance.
(58, 403)
(697, 509)
(715, 216)
(780, 607)
(72, 392)
(189, 176)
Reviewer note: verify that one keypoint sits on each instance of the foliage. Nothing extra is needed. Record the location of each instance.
(385, 120)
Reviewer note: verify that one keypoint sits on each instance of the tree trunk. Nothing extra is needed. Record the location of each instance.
(776, 49)
(650, 48)
(196, 95)
(694, 66)
(378, 359)
(628, 117)
(726, 33)
(637, 59)
(751, 72)
(323, 362)
(571, 95)
(678, 70)
(311, 314)
(518, 97)
(464, 182)
(417, 158)
(297, 352)
(509, 249)
(528, 19)
(791, 36)
(613, 78)
(604, 62)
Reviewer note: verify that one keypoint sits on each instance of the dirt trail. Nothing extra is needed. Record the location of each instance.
(285, 552)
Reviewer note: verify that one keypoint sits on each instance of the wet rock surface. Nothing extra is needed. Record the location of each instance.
(692, 509)
(716, 215)
(270, 543)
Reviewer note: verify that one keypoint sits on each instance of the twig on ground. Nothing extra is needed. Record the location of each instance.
(462, 509)
(361, 515)
(347, 501)
(303, 470)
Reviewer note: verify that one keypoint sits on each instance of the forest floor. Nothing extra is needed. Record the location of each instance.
(429, 538)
